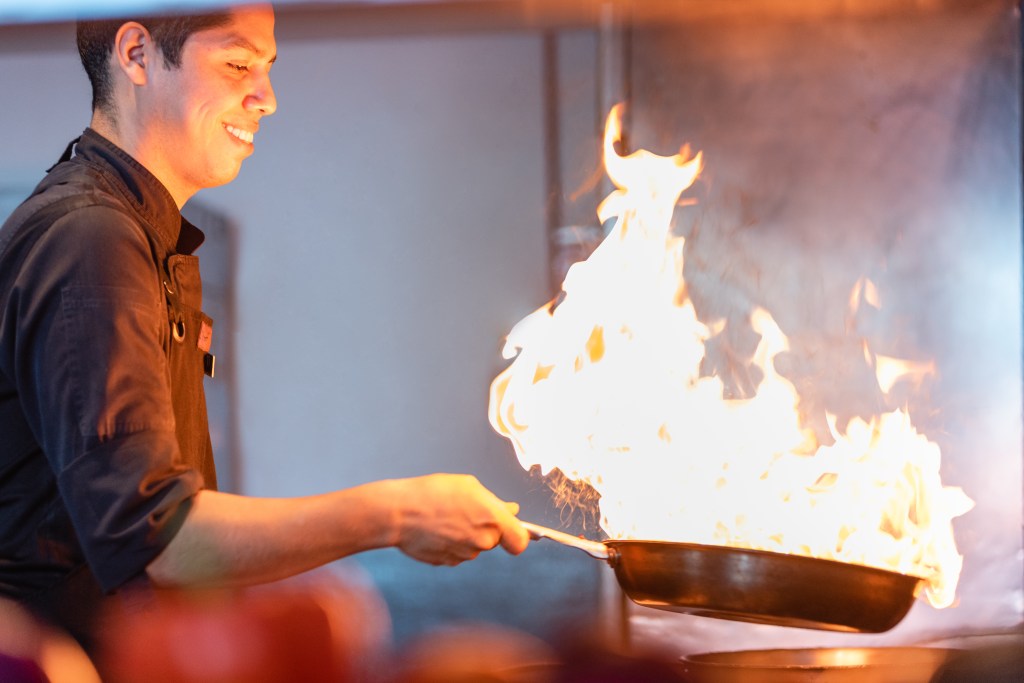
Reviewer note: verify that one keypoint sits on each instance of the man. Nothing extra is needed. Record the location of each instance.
(106, 470)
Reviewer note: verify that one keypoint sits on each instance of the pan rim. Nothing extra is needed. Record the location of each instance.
(757, 552)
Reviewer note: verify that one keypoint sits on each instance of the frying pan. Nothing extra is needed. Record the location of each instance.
(752, 585)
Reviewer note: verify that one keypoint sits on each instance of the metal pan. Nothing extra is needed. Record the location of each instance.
(752, 585)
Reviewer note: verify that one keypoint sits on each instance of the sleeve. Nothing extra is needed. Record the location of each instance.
(94, 382)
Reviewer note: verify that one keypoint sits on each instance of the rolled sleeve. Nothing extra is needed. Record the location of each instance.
(125, 513)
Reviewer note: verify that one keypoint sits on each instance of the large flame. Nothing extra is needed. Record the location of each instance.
(606, 387)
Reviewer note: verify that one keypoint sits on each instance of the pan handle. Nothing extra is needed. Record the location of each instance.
(592, 548)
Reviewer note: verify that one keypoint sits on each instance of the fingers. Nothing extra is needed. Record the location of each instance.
(489, 538)
(449, 559)
(515, 539)
(511, 534)
(449, 519)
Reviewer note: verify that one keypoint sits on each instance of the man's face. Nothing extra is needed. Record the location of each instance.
(200, 118)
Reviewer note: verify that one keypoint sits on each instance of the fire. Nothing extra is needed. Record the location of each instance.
(606, 387)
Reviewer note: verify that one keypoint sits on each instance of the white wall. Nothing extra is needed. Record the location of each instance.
(45, 104)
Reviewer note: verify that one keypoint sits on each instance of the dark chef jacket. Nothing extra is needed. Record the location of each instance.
(103, 432)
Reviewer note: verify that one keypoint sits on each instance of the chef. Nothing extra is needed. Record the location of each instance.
(106, 469)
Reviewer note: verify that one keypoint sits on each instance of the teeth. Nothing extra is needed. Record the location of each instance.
(243, 135)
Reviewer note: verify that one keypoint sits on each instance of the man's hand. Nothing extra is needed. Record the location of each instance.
(450, 518)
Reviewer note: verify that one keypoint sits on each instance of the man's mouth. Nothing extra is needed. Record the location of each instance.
(243, 135)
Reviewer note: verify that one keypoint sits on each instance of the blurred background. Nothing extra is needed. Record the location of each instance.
(433, 168)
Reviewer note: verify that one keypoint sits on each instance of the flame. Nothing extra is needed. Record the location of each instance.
(606, 387)
(889, 371)
(865, 290)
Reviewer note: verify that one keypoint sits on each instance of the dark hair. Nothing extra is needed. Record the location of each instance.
(96, 43)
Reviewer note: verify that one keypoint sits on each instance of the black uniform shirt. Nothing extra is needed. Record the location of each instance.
(98, 460)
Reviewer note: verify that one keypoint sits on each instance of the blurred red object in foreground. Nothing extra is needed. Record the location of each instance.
(307, 630)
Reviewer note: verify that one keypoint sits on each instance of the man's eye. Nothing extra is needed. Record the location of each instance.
(238, 67)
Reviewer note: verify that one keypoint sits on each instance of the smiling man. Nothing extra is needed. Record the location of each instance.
(106, 469)
(187, 113)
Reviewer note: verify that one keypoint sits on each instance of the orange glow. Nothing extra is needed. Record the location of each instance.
(606, 387)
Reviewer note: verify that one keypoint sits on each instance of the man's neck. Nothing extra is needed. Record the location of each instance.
(107, 126)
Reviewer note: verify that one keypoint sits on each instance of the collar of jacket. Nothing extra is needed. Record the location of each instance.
(142, 190)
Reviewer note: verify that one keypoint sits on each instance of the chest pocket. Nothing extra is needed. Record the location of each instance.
(189, 359)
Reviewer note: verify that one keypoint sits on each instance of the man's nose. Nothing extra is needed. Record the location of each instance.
(262, 97)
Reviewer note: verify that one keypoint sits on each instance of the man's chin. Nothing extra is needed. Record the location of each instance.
(224, 177)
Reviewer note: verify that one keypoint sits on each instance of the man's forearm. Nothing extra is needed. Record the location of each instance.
(238, 540)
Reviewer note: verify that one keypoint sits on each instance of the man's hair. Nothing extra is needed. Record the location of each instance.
(96, 43)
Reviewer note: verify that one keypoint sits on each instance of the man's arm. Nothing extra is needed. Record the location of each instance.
(237, 540)
(93, 305)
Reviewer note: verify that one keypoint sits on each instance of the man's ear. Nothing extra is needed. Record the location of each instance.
(134, 51)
